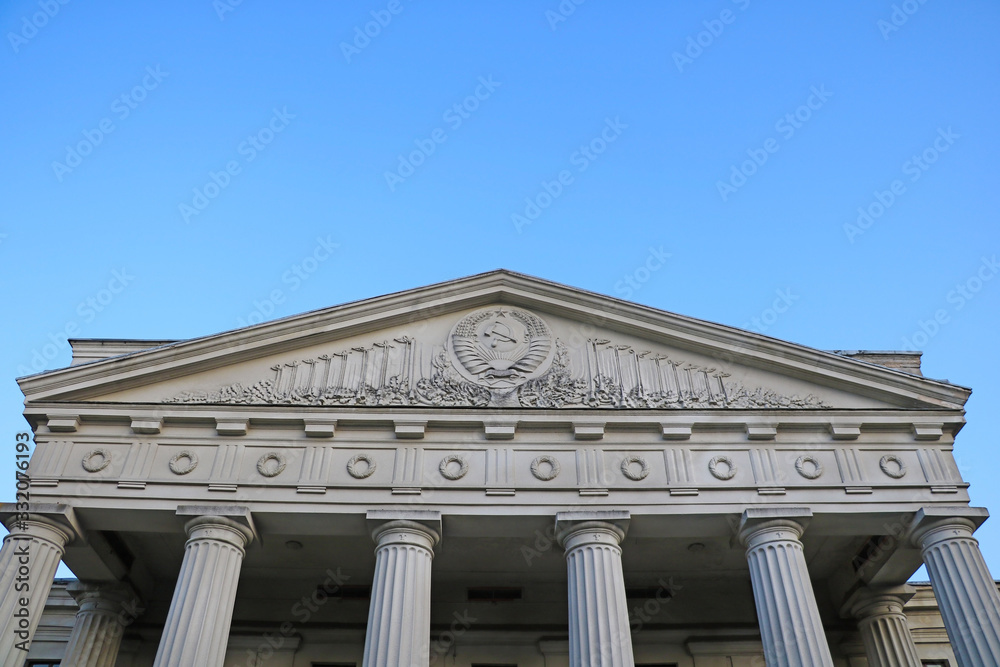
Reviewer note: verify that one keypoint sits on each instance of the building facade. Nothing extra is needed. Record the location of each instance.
(491, 472)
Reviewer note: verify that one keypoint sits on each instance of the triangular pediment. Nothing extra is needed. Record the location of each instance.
(500, 340)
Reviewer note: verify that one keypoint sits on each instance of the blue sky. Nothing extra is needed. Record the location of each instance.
(177, 169)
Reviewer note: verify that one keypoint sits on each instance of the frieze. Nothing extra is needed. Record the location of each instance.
(499, 357)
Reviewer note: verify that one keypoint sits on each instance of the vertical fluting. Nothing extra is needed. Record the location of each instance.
(599, 634)
(197, 628)
(885, 632)
(399, 618)
(966, 593)
(790, 626)
(28, 562)
(105, 612)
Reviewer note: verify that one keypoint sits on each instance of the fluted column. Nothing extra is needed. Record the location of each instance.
(399, 618)
(197, 628)
(884, 629)
(28, 562)
(790, 625)
(599, 633)
(105, 611)
(965, 590)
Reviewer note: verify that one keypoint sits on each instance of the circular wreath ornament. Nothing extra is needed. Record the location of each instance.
(178, 468)
(643, 471)
(104, 462)
(268, 471)
(897, 471)
(355, 472)
(446, 470)
(536, 468)
(724, 474)
(809, 467)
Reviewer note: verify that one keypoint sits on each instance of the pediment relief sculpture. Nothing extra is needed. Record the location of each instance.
(499, 357)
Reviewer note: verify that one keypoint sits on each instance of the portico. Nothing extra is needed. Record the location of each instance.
(496, 471)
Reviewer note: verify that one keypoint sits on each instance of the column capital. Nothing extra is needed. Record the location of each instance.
(105, 597)
(883, 625)
(218, 528)
(759, 525)
(869, 602)
(607, 527)
(932, 524)
(392, 524)
(236, 521)
(54, 522)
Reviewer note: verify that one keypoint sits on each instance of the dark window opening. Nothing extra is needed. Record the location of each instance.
(353, 592)
(490, 594)
(647, 593)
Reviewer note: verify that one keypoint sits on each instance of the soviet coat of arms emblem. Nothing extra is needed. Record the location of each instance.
(501, 348)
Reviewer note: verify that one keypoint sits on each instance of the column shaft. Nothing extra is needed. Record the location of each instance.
(28, 562)
(197, 628)
(105, 612)
(966, 593)
(885, 631)
(790, 625)
(399, 618)
(599, 634)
